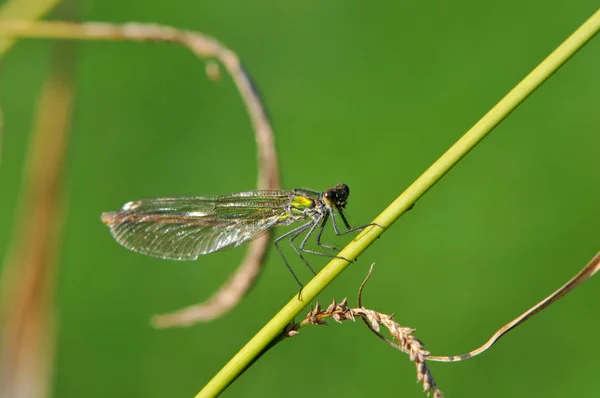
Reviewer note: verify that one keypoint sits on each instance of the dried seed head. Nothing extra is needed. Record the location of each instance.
(403, 339)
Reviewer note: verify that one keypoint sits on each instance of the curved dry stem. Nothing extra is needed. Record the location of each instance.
(409, 344)
(203, 46)
(226, 297)
(368, 324)
(588, 271)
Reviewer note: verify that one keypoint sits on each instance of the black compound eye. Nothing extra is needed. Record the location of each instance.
(337, 196)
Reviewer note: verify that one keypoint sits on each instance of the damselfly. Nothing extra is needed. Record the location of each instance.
(184, 228)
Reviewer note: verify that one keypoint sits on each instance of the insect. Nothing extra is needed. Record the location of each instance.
(186, 227)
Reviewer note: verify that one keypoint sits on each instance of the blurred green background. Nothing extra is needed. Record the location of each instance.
(366, 93)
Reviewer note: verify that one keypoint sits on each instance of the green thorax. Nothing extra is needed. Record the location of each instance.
(303, 203)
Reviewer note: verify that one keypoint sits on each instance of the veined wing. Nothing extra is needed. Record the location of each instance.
(184, 228)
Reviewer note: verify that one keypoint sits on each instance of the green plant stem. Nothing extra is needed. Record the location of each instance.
(404, 202)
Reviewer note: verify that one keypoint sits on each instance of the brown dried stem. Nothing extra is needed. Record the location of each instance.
(407, 343)
(28, 280)
(226, 297)
(268, 175)
(587, 272)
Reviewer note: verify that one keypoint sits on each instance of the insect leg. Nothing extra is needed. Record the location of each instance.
(309, 234)
(295, 231)
(318, 240)
(299, 231)
(349, 228)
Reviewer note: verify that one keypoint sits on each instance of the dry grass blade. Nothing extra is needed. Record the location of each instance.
(268, 174)
(588, 271)
(405, 341)
(27, 344)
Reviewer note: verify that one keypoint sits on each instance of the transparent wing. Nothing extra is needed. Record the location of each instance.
(184, 228)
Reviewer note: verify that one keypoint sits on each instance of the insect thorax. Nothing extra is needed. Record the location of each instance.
(302, 204)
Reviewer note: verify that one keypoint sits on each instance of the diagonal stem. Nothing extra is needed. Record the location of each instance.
(404, 202)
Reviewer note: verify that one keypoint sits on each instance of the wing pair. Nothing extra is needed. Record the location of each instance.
(184, 228)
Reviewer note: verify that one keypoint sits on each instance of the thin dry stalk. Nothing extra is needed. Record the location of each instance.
(28, 280)
(403, 339)
(268, 174)
(587, 272)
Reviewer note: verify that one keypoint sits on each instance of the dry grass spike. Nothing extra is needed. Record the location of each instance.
(402, 336)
